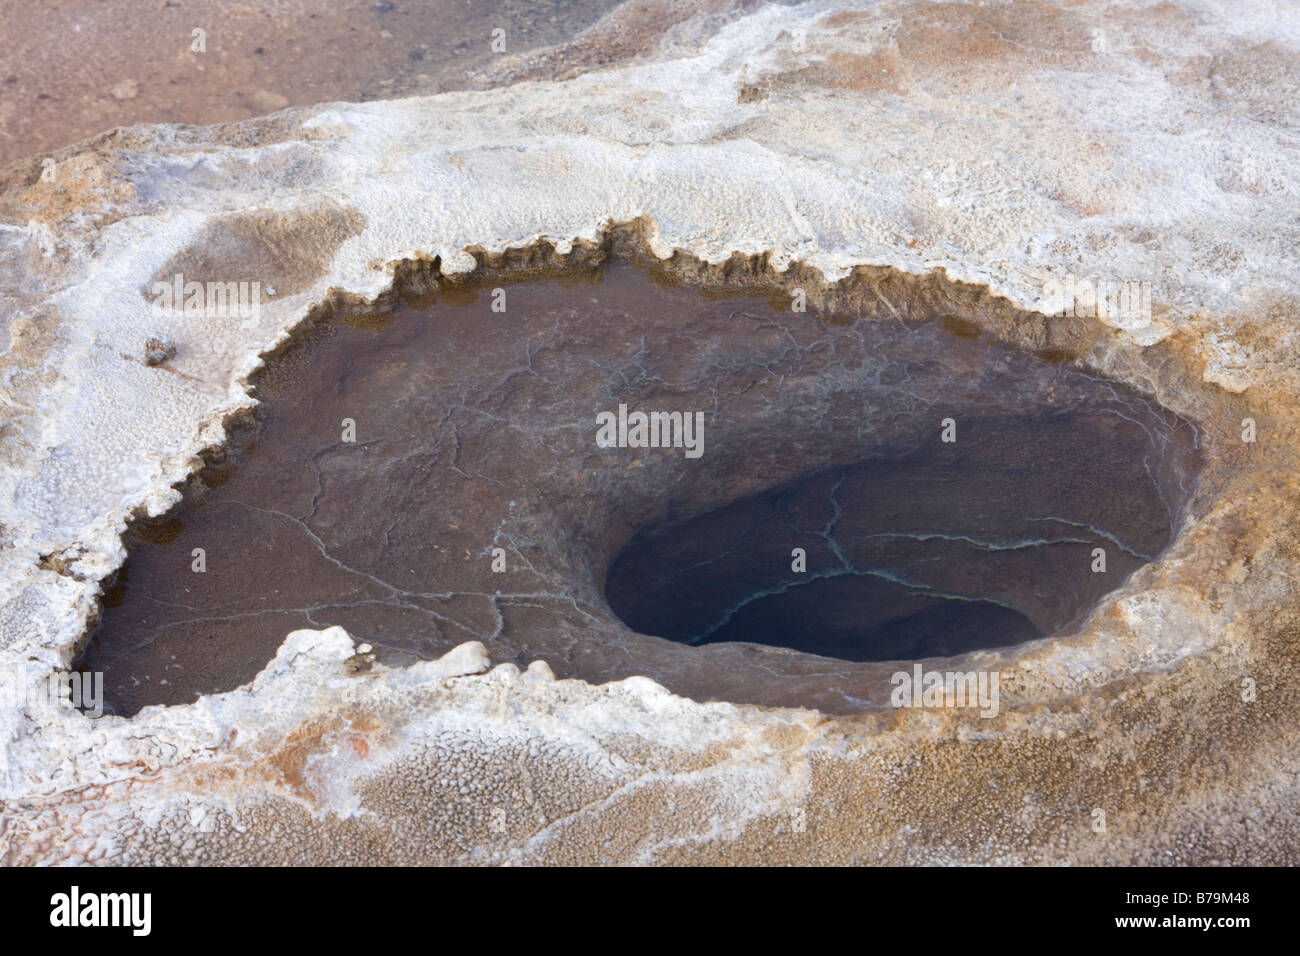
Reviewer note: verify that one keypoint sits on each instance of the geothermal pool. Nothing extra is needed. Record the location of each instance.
(798, 495)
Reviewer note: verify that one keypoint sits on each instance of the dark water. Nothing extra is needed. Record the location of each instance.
(475, 430)
(920, 555)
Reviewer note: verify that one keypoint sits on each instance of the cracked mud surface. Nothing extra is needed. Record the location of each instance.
(476, 430)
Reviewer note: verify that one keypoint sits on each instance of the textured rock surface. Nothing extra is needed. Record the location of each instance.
(1004, 146)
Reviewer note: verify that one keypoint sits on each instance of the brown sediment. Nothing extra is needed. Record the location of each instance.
(127, 63)
(294, 247)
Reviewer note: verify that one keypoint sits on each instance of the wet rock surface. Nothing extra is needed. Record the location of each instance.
(436, 475)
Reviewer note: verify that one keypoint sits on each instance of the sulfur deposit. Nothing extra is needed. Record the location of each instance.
(889, 159)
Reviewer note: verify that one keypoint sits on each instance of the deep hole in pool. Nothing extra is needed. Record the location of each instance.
(820, 513)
